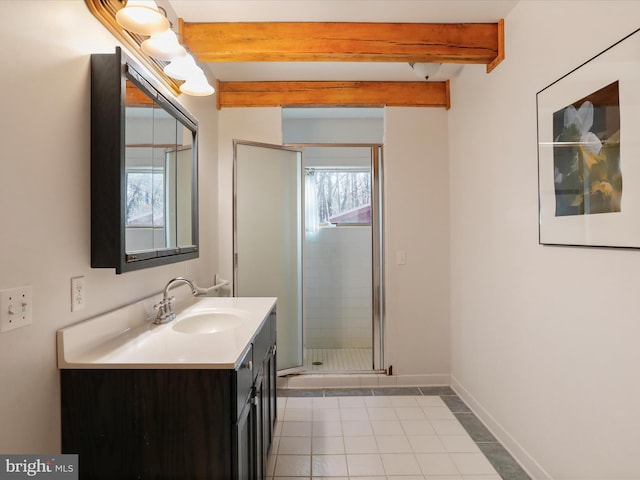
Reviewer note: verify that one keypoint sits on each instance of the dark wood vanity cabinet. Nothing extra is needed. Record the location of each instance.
(253, 430)
(174, 423)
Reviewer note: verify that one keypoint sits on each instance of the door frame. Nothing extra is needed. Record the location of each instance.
(377, 242)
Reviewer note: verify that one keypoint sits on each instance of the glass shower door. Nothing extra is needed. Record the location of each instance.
(268, 237)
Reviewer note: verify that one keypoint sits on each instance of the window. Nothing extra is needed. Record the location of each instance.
(343, 195)
(145, 197)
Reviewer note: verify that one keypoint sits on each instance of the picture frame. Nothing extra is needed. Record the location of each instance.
(589, 152)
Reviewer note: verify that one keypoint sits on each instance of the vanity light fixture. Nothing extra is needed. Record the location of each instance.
(163, 46)
(142, 17)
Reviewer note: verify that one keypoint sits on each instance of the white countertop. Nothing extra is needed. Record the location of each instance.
(127, 339)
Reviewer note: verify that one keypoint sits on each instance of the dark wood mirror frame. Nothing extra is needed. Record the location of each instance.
(110, 74)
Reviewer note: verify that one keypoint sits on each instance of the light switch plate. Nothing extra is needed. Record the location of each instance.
(15, 308)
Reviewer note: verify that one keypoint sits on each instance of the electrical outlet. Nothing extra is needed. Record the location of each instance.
(78, 299)
(15, 308)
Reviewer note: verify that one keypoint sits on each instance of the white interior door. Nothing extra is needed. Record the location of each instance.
(268, 230)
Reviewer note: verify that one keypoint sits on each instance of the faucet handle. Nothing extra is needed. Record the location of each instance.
(165, 313)
(165, 302)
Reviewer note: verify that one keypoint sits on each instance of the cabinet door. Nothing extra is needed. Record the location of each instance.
(272, 374)
(271, 396)
(266, 413)
(244, 439)
(257, 404)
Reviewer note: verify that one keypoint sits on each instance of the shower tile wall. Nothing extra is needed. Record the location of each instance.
(338, 288)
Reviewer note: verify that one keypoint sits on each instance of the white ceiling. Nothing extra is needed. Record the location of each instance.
(400, 11)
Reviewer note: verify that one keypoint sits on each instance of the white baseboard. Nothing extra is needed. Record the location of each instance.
(526, 461)
(360, 380)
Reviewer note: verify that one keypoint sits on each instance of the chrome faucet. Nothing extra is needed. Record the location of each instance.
(165, 312)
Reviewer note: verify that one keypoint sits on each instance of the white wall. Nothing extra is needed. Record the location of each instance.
(338, 288)
(333, 130)
(45, 195)
(544, 339)
(416, 221)
(262, 125)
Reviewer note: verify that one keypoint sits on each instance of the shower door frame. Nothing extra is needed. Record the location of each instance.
(377, 243)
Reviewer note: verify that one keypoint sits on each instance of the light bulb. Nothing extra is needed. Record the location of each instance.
(142, 17)
(197, 86)
(183, 68)
(163, 46)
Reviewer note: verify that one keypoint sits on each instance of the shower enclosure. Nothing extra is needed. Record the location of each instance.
(341, 258)
(308, 230)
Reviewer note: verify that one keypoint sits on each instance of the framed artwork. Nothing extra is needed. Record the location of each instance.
(589, 152)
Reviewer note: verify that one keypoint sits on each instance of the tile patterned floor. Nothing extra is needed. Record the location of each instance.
(338, 359)
(417, 433)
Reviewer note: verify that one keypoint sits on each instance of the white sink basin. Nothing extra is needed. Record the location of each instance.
(207, 333)
(209, 321)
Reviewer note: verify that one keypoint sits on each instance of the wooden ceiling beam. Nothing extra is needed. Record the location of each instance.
(134, 97)
(479, 43)
(314, 94)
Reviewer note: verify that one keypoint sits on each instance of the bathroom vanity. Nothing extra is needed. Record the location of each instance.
(191, 399)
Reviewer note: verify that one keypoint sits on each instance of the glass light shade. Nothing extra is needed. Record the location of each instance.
(142, 17)
(425, 70)
(163, 46)
(183, 68)
(197, 86)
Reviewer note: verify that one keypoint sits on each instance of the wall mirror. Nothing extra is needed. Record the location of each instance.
(143, 170)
